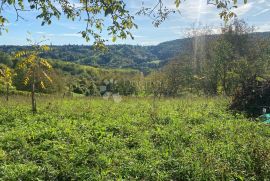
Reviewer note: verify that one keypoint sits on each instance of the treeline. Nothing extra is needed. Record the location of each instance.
(222, 64)
(143, 58)
(70, 79)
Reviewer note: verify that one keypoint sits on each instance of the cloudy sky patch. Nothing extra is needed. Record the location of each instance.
(193, 13)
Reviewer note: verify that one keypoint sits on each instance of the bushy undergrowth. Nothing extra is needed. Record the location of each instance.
(252, 98)
(92, 139)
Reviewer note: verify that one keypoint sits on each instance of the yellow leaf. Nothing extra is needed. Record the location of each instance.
(42, 85)
(45, 48)
(46, 75)
(26, 81)
(46, 64)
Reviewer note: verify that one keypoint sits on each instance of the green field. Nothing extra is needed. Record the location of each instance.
(95, 139)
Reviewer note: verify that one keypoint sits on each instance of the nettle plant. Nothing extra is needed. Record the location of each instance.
(36, 68)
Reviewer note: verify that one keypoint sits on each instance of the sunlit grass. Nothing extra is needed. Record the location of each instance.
(95, 139)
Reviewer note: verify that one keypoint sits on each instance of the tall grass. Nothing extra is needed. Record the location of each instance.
(95, 139)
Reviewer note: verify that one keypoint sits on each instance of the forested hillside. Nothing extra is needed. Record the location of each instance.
(117, 56)
(122, 56)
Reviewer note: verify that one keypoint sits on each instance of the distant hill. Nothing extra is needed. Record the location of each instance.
(117, 56)
(121, 56)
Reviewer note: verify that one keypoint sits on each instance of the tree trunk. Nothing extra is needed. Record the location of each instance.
(7, 93)
(34, 106)
(224, 81)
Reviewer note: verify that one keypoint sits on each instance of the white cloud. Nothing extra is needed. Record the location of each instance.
(243, 9)
(40, 32)
(261, 12)
(138, 36)
(262, 28)
(146, 43)
(70, 35)
(77, 5)
(11, 24)
(58, 35)
(261, 1)
(198, 11)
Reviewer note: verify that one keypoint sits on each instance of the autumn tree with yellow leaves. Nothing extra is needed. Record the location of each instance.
(6, 75)
(36, 69)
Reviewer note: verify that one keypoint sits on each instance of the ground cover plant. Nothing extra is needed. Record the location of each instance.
(96, 139)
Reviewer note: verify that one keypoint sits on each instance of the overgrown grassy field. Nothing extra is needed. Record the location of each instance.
(95, 139)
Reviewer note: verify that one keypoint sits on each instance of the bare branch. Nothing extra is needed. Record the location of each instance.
(17, 10)
(158, 13)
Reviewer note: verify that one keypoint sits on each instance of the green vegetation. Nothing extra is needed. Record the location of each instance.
(95, 139)
(116, 56)
(220, 65)
(35, 70)
(166, 109)
(6, 78)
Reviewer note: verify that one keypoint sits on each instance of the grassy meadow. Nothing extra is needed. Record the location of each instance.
(97, 139)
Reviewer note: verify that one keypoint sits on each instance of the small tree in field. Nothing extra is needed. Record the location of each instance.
(36, 69)
(6, 77)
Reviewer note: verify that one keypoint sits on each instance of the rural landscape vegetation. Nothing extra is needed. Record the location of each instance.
(194, 108)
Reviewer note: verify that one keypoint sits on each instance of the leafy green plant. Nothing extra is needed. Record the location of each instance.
(6, 76)
(94, 139)
(36, 69)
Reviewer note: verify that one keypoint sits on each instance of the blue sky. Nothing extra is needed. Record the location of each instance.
(256, 13)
